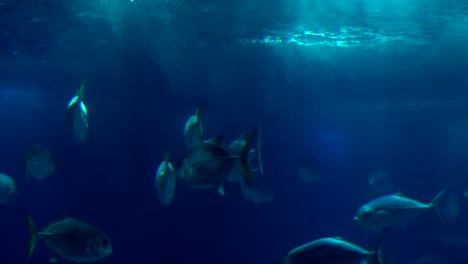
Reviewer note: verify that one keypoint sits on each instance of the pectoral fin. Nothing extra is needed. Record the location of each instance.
(382, 213)
(221, 189)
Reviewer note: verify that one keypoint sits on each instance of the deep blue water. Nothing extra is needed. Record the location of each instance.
(358, 85)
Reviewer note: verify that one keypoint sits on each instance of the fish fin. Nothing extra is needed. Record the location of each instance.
(435, 203)
(377, 253)
(32, 235)
(382, 213)
(221, 189)
(81, 90)
(199, 112)
(244, 158)
(259, 149)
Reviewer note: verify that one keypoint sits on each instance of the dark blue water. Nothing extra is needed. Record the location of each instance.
(358, 85)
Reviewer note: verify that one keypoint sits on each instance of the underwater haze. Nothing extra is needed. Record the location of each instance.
(354, 90)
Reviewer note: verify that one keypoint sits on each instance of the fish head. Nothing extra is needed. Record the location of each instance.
(365, 215)
(98, 247)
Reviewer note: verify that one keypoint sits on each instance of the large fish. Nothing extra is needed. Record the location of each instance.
(71, 239)
(39, 162)
(77, 115)
(165, 181)
(391, 210)
(209, 163)
(333, 250)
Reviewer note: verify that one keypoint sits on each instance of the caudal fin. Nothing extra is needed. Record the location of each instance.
(435, 203)
(377, 253)
(32, 235)
(248, 174)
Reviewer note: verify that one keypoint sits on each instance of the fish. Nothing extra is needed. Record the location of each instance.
(236, 146)
(395, 209)
(71, 239)
(8, 191)
(334, 250)
(77, 115)
(207, 164)
(193, 130)
(39, 162)
(165, 181)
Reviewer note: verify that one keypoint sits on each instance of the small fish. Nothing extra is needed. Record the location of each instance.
(39, 162)
(209, 163)
(193, 131)
(71, 239)
(334, 250)
(7, 189)
(77, 115)
(236, 146)
(395, 209)
(308, 170)
(165, 181)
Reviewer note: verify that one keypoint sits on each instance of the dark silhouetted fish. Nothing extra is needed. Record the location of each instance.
(71, 239)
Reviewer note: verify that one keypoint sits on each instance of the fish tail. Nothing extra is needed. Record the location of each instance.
(377, 253)
(32, 235)
(244, 157)
(435, 203)
(82, 89)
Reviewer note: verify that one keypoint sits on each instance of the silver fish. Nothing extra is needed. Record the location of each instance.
(209, 163)
(71, 239)
(165, 181)
(193, 131)
(7, 189)
(391, 210)
(77, 115)
(333, 250)
(39, 162)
